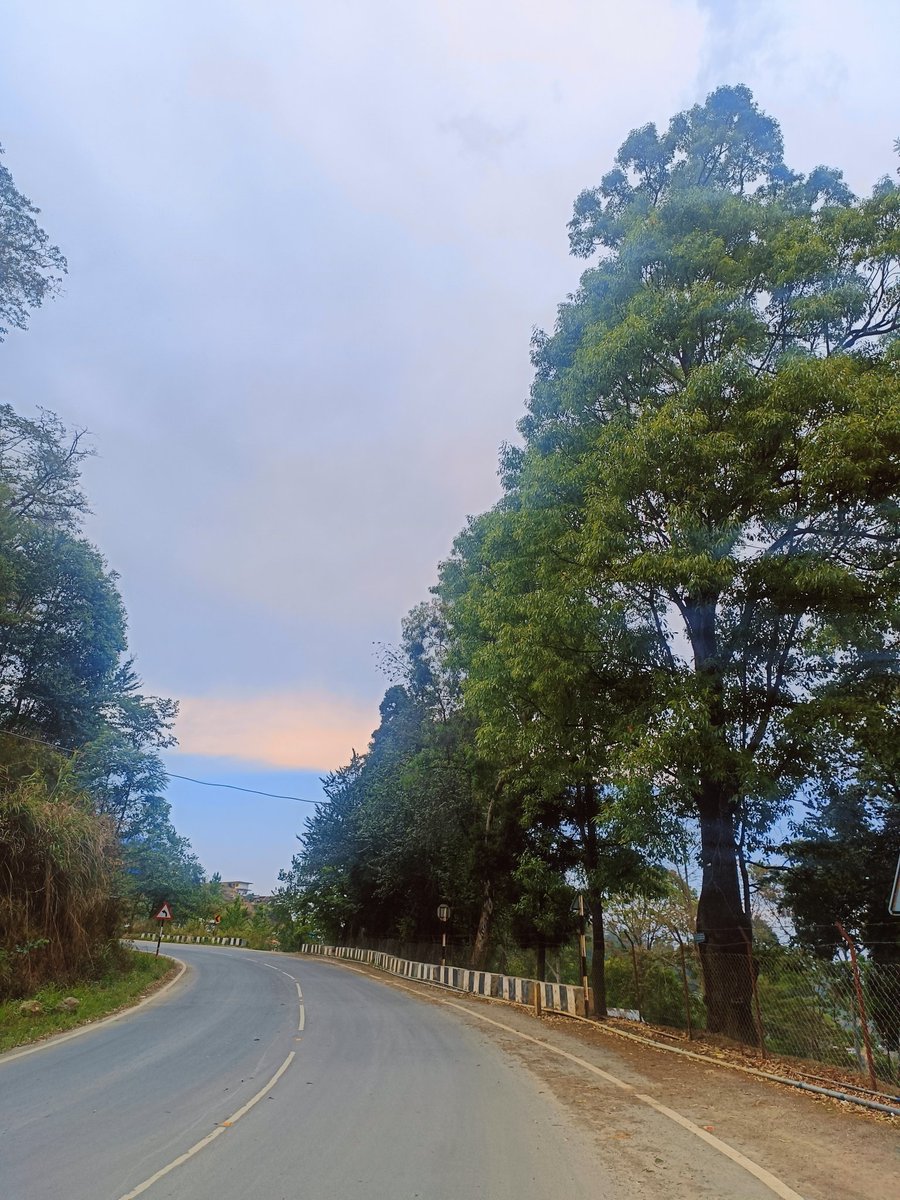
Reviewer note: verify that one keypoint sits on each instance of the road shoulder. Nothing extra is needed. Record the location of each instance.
(801, 1139)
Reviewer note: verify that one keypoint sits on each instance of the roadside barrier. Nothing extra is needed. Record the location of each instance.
(560, 997)
(185, 937)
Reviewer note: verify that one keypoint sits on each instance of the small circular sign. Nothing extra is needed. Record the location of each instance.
(443, 912)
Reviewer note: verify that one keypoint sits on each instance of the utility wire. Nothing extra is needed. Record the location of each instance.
(252, 791)
(24, 737)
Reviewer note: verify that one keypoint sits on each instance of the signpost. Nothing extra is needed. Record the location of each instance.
(164, 914)
(443, 913)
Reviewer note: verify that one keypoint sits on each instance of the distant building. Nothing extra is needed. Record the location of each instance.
(232, 888)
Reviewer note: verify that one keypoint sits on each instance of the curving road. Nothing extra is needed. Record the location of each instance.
(238, 1084)
(386, 1097)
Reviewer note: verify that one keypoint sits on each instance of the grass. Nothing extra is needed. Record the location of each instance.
(98, 999)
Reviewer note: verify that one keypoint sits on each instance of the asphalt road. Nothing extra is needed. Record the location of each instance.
(377, 1095)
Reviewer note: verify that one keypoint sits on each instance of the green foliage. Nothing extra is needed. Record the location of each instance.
(66, 685)
(160, 866)
(692, 574)
(130, 976)
(64, 677)
(543, 911)
(291, 925)
(657, 991)
(840, 864)
(698, 540)
(31, 268)
(396, 838)
(58, 920)
(807, 1007)
(235, 918)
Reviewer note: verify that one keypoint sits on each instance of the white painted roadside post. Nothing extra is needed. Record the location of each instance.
(164, 914)
(443, 913)
(894, 899)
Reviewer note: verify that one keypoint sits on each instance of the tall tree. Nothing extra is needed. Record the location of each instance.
(551, 674)
(409, 823)
(715, 419)
(159, 864)
(65, 683)
(31, 267)
(841, 861)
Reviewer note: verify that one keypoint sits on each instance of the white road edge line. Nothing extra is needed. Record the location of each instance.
(772, 1182)
(210, 1137)
(58, 1038)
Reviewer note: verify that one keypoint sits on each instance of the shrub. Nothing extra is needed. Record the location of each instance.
(59, 918)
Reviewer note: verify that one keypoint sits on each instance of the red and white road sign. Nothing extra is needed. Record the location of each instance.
(164, 914)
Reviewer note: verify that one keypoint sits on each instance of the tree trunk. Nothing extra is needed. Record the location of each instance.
(483, 933)
(485, 920)
(598, 959)
(722, 925)
(541, 956)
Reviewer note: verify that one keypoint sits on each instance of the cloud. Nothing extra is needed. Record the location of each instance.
(299, 730)
(307, 247)
(481, 137)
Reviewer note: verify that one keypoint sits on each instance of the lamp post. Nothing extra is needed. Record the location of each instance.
(443, 913)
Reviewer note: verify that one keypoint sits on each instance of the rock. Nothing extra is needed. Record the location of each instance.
(31, 1008)
(70, 1004)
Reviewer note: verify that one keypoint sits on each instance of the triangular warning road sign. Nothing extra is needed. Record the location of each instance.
(164, 914)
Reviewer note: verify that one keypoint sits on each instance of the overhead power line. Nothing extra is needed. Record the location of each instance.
(233, 787)
(252, 791)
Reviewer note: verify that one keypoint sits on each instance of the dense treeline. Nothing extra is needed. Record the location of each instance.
(678, 627)
(85, 836)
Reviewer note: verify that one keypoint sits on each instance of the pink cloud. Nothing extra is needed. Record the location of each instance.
(302, 730)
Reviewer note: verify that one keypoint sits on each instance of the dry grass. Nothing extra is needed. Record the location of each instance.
(59, 919)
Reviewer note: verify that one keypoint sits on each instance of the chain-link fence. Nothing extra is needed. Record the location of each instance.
(825, 1011)
(829, 1011)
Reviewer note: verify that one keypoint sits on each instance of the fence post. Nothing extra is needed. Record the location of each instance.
(757, 1014)
(687, 993)
(860, 1000)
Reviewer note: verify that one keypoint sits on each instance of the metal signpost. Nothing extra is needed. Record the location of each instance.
(164, 914)
(443, 913)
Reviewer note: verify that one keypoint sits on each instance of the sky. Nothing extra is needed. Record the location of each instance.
(308, 245)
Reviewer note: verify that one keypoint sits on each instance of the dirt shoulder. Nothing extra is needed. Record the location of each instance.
(821, 1148)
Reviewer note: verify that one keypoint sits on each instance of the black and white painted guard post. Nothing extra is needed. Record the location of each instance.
(443, 913)
(582, 947)
(164, 914)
